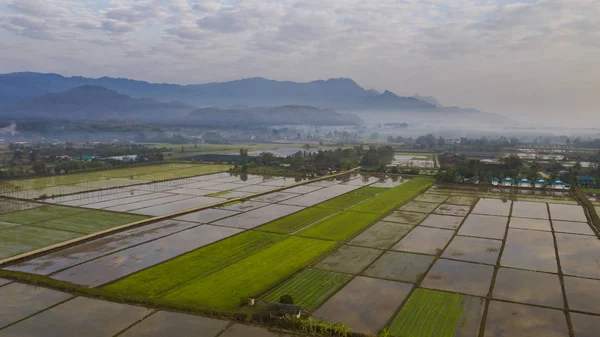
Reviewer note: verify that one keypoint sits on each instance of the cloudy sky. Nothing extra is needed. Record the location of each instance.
(539, 59)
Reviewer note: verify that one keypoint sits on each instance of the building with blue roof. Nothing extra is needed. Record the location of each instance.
(559, 185)
(524, 182)
(540, 183)
(586, 181)
(508, 181)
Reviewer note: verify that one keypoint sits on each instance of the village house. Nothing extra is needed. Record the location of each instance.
(559, 185)
(540, 183)
(587, 182)
(524, 182)
(495, 181)
(508, 182)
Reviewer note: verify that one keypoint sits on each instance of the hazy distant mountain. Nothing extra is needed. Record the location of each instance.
(428, 99)
(337, 93)
(289, 114)
(92, 102)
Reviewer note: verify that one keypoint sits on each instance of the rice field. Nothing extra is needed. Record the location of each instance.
(340, 226)
(44, 226)
(309, 289)
(297, 221)
(425, 270)
(159, 279)
(346, 200)
(431, 313)
(80, 182)
(392, 198)
(250, 276)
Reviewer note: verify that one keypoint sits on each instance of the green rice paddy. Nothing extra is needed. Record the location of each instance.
(392, 198)
(157, 280)
(344, 201)
(44, 226)
(428, 313)
(79, 182)
(39, 214)
(310, 288)
(251, 276)
(340, 226)
(296, 221)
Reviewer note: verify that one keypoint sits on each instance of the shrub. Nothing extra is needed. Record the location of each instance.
(286, 299)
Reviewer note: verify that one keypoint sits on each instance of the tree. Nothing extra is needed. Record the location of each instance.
(513, 162)
(267, 157)
(39, 167)
(17, 154)
(286, 299)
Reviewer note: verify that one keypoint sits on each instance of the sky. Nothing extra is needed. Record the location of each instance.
(538, 60)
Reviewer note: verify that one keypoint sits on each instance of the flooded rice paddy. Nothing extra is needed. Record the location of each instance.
(496, 270)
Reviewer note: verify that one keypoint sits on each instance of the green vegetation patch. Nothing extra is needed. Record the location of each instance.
(39, 214)
(155, 281)
(392, 198)
(21, 239)
(429, 313)
(151, 172)
(343, 201)
(44, 226)
(438, 314)
(346, 200)
(251, 276)
(591, 190)
(340, 226)
(370, 190)
(299, 220)
(218, 194)
(91, 222)
(310, 288)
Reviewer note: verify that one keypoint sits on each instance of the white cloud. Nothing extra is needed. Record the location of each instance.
(481, 53)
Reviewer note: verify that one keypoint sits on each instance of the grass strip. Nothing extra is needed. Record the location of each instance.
(250, 276)
(217, 194)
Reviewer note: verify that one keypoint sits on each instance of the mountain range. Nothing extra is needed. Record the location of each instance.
(261, 100)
